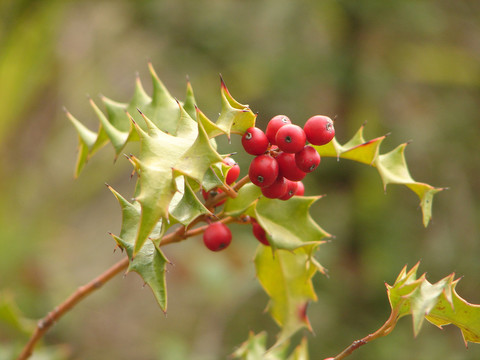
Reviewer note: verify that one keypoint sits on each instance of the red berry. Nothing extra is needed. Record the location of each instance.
(260, 233)
(273, 125)
(213, 193)
(276, 190)
(263, 170)
(308, 159)
(254, 141)
(319, 130)
(290, 138)
(300, 189)
(217, 236)
(288, 168)
(234, 172)
(291, 190)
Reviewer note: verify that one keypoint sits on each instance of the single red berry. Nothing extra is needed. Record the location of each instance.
(273, 125)
(291, 190)
(319, 130)
(300, 189)
(290, 138)
(307, 159)
(276, 190)
(260, 233)
(263, 170)
(254, 141)
(217, 236)
(213, 193)
(288, 168)
(234, 172)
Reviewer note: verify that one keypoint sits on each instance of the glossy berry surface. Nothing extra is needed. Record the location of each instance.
(263, 170)
(276, 190)
(291, 190)
(290, 138)
(319, 130)
(234, 172)
(307, 159)
(254, 141)
(217, 236)
(274, 124)
(288, 168)
(300, 189)
(259, 233)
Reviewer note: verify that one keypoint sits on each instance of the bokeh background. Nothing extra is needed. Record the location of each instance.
(411, 68)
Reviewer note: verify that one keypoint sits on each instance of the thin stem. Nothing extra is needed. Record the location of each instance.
(179, 235)
(232, 192)
(83, 291)
(241, 182)
(383, 331)
(44, 324)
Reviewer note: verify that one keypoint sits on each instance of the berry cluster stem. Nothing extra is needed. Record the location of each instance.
(232, 190)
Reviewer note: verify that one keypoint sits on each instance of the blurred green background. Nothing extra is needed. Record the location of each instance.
(411, 68)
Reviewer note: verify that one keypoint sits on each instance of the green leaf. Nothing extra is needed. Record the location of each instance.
(211, 179)
(190, 104)
(439, 303)
(255, 348)
(149, 262)
(247, 195)
(286, 276)
(288, 224)
(391, 166)
(301, 351)
(185, 206)
(176, 140)
(234, 117)
(117, 137)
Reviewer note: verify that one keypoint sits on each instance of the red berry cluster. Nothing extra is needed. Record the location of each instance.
(283, 158)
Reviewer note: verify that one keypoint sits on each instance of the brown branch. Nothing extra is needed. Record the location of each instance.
(83, 291)
(44, 324)
(383, 331)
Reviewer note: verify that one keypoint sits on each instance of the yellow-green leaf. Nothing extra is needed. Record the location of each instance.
(391, 166)
(439, 303)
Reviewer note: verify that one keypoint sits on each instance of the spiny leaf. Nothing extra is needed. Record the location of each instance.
(235, 117)
(255, 348)
(391, 166)
(439, 303)
(247, 195)
(288, 224)
(185, 206)
(117, 137)
(164, 157)
(212, 179)
(174, 142)
(149, 262)
(286, 276)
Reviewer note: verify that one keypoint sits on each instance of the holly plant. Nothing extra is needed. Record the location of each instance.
(186, 187)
